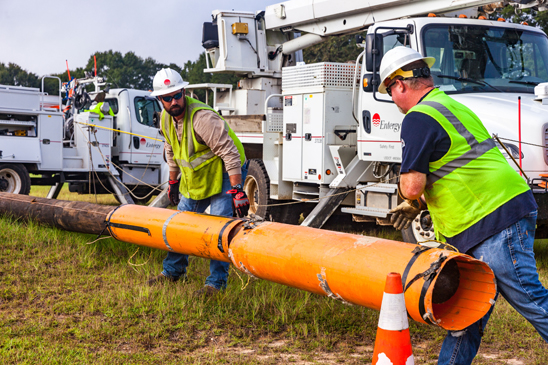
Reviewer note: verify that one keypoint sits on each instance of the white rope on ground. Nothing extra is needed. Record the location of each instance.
(137, 265)
(98, 239)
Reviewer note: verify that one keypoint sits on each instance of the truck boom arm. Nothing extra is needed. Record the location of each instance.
(335, 17)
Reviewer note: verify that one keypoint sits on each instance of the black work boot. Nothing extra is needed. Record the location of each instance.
(207, 291)
(160, 279)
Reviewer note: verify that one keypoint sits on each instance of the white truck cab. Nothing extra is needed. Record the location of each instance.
(330, 140)
(119, 152)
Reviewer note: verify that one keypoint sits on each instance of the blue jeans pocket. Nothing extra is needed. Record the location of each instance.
(526, 231)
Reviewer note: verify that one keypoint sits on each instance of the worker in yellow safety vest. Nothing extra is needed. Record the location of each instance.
(210, 159)
(478, 203)
(100, 107)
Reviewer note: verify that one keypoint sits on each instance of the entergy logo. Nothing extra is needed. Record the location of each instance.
(143, 141)
(376, 119)
(383, 124)
(167, 82)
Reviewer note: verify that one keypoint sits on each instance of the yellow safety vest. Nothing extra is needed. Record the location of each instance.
(201, 169)
(473, 179)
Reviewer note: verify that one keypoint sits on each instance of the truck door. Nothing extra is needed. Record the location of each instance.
(146, 142)
(380, 128)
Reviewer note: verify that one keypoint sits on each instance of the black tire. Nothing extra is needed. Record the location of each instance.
(421, 229)
(14, 178)
(257, 188)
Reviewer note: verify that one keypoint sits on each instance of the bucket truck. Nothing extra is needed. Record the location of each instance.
(322, 134)
(117, 149)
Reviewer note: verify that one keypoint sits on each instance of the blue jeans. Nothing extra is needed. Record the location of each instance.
(510, 255)
(175, 264)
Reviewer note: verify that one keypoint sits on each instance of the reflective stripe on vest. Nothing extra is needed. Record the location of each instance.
(194, 163)
(190, 145)
(476, 149)
(201, 169)
(472, 179)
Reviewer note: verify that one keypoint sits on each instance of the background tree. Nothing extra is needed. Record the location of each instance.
(131, 71)
(534, 18)
(335, 49)
(16, 76)
(193, 72)
(125, 71)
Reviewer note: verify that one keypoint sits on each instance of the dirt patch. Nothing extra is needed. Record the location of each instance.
(507, 361)
(277, 344)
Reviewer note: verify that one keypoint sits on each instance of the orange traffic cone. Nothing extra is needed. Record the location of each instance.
(393, 343)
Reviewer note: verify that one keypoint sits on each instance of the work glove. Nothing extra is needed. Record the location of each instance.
(173, 192)
(403, 214)
(240, 202)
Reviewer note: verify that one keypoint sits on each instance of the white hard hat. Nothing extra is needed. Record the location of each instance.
(167, 81)
(395, 59)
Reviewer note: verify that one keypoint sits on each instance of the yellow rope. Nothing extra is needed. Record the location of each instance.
(242, 280)
(137, 265)
(119, 131)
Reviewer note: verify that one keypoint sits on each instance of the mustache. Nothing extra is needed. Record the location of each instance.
(175, 110)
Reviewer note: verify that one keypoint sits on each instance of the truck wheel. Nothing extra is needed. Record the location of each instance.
(421, 229)
(14, 178)
(257, 188)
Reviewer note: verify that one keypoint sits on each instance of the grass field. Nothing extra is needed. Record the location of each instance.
(65, 300)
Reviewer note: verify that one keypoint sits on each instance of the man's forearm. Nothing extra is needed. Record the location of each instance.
(412, 184)
(236, 179)
(174, 175)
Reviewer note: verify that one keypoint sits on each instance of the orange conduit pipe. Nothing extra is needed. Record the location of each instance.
(190, 233)
(442, 287)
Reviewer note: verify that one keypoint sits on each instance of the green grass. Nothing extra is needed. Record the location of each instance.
(63, 301)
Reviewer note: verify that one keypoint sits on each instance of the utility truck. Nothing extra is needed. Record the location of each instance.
(104, 141)
(321, 134)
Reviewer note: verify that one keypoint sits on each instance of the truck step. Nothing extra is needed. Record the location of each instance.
(369, 211)
(379, 188)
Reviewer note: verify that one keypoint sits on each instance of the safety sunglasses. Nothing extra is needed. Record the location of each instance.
(389, 87)
(168, 99)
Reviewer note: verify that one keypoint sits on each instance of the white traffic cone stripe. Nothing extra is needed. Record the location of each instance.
(393, 315)
(383, 360)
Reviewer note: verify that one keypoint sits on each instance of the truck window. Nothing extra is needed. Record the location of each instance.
(486, 59)
(113, 103)
(395, 40)
(145, 107)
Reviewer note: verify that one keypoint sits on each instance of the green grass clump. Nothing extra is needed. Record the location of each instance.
(65, 300)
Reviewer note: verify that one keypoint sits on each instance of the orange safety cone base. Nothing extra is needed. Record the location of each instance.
(395, 345)
(393, 342)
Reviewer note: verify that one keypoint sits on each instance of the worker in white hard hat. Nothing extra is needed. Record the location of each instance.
(203, 150)
(477, 202)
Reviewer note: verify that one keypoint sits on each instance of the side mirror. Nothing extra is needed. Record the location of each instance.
(374, 52)
(156, 117)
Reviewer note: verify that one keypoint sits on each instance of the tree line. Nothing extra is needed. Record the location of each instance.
(131, 71)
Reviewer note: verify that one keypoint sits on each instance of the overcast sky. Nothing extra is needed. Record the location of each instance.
(39, 35)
